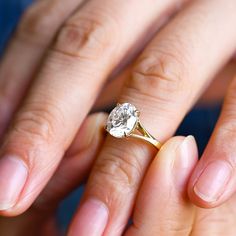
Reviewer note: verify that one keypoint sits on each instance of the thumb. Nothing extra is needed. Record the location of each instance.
(162, 206)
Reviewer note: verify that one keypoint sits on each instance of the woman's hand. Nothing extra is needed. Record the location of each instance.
(40, 219)
(162, 206)
(78, 45)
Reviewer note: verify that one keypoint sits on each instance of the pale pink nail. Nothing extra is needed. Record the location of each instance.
(91, 219)
(13, 175)
(212, 182)
(186, 157)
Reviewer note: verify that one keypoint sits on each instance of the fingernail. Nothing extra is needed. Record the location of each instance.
(91, 219)
(13, 175)
(186, 156)
(90, 129)
(186, 150)
(211, 183)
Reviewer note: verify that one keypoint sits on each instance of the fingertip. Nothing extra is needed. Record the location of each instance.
(94, 214)
(163, 195)
(91, 129)
(177, 158)
(211, 184)
(186, 148)
(212, 181)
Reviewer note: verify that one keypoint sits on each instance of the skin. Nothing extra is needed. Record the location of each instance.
(162, 206)
(80, 47)
(39, 219)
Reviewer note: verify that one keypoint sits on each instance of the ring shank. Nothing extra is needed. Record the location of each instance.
(146, 136)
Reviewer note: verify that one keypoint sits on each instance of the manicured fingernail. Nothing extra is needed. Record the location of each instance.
(91, 219)
(186, 156)
(211, 183)
(13, 175)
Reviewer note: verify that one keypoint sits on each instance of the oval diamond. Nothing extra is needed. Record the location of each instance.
(122, 120)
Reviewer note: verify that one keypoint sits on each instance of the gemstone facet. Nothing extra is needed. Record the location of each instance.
(122, 120)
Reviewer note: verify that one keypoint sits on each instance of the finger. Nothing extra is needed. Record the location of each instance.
(213, 221)
(26, 49)
(217, 90)
(162, 206)
(74, 168)
(214, 179)
(165, 82)
(77, 163)
(70, 174)
(111, 91)
(164, 186)
(88, 47)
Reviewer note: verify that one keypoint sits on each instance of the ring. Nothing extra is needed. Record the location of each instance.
(123, 122)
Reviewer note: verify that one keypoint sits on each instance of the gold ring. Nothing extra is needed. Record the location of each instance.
(123, 122)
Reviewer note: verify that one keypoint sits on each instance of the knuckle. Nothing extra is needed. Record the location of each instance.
(37, 122)
(161, 73)
(122, 171)
(37, 22)
(162, 70)
(88, 39)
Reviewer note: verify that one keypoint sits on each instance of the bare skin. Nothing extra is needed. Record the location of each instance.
(162, 206)
(59, 71)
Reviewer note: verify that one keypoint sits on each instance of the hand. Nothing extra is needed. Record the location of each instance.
(164, 83)
(162, 206)
(39, 219)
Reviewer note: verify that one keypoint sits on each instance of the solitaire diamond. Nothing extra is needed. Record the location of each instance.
(122, 120)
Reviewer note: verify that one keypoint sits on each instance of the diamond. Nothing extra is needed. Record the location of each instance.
(122, 120)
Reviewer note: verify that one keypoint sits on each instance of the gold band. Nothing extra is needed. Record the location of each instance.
(124, 120)
(146, 136)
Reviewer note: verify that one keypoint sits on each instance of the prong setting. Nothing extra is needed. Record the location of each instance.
(105, 127)
(122, 120)
(137, 112)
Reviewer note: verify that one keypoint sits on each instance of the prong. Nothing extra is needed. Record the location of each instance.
(118, 104)
(137, 112)
(105, 127)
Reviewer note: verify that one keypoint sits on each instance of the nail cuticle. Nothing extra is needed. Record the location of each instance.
(212, 181)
